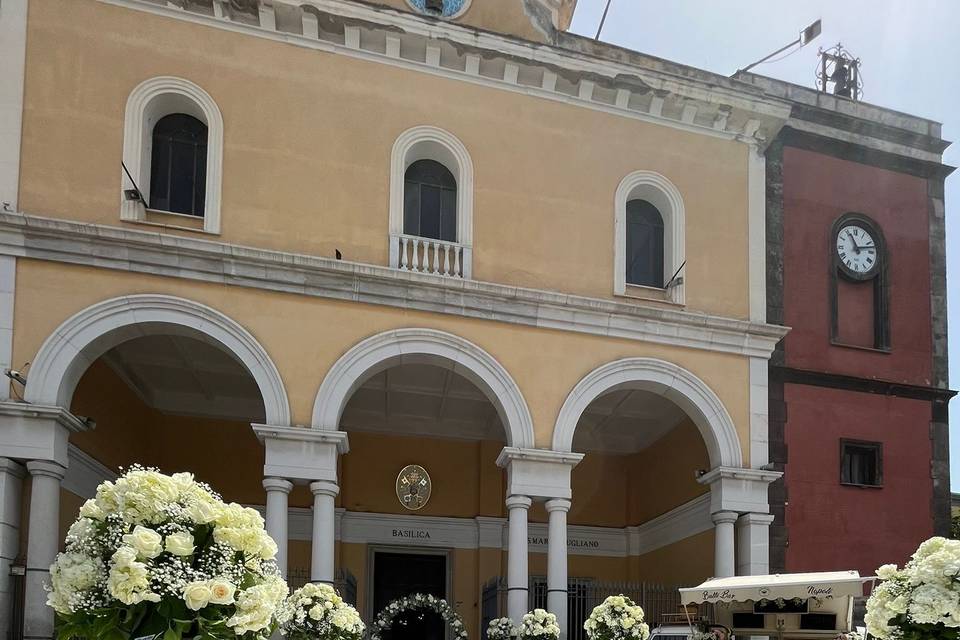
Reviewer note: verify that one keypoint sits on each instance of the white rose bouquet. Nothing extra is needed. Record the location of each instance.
(617, 618)
(501, 629)
(920, 601)
(538, 625)
(317, 612)
(158, 555)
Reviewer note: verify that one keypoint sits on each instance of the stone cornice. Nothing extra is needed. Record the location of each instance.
(508, 454)
(733, 473)
(303, 434)
(205, 260)
(61, 416)
(600, 77)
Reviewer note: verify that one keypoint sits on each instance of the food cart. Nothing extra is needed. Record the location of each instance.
(786, 607)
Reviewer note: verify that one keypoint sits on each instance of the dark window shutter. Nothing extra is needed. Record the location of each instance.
(430, 201)
(644, 251)
(178, 165)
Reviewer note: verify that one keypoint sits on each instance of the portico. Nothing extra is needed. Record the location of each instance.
(540, 481)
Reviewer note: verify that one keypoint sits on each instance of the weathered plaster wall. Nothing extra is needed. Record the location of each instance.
(308, 136)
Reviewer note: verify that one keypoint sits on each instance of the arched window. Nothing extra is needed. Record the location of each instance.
(644, 244)
(172, 156)
(649, 238)
(178, 167)
(430, 201)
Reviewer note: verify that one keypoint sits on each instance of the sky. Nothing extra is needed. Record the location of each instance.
(910, 53)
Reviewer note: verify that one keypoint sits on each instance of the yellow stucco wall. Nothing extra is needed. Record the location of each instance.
(304, 337)
(307, 147)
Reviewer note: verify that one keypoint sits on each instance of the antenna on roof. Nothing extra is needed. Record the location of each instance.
(806, 36)
(602, 20)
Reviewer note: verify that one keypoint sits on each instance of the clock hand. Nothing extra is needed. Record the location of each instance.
(852, 240)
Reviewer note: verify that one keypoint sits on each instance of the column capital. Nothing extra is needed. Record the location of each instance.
(277, 484)
(738, 489)
(37, 432)
(557, 504)
(324, 488)
(518, 502)
(541, 473)
(756, 518)
(12, 467)
(724, 517)
(301, 453)
(46, 468)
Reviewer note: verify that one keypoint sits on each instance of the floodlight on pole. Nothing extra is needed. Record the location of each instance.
(807, 35)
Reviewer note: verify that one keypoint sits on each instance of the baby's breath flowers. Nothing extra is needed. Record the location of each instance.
(921, 600)
(155, 555)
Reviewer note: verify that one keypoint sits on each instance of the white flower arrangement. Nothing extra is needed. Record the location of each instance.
(538, 625)
(617, 618)
(418, 602)
(317, 612)
(921, 600)
(501, 629)
(154, 554)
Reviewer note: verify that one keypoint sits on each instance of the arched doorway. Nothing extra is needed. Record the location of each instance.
(169, 383)
(649, 430)
(437, 401)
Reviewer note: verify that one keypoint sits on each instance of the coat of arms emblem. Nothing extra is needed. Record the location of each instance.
(414, 487)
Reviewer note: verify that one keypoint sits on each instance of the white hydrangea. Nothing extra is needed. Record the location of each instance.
(71, 576)
(317, 612)
(538, 625)
(924, 592)
(617, 618)
(501, 629)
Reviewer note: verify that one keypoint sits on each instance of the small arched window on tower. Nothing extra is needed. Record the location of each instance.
(644, 251)
(430, 201)
(178, 165)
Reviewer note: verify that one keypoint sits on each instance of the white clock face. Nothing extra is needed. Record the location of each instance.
(857, 249)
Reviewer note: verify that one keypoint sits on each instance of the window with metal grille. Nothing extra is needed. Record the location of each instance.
(430, 201)
(178, 165)
(644, 244)
(861, 463)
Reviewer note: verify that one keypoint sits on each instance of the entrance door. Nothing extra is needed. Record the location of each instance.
(396, 575)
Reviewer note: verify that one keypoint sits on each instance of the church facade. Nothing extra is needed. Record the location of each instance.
(465, 304)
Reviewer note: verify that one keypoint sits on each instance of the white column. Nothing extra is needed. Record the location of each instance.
(753, 544)
(324, 530)
(557, 509)
(11, 488)
(517, 578)
(724, 551)
(42, 544)
(277, 517)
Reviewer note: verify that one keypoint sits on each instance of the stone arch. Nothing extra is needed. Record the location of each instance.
(80, 340)
(673, 382)
(423, 346)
